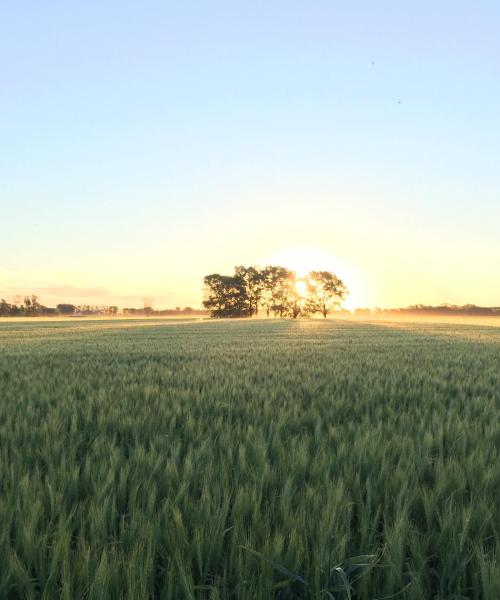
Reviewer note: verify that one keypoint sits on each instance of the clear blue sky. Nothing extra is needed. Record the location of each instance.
(145, 144)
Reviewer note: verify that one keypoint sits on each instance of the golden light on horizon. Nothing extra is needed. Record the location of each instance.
(304, 260)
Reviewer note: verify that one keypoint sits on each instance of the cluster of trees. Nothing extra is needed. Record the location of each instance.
(30, 306)
(274, 290)
(88, 309)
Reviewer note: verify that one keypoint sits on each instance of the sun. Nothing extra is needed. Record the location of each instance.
(304, 260)
(301, 288)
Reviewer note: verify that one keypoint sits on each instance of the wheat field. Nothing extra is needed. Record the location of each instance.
(249, 460)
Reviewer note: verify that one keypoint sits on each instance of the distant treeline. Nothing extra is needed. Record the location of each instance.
(274, 289)
(30, 306)
(443, 309)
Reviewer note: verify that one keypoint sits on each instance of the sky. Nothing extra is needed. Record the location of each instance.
(144, 145)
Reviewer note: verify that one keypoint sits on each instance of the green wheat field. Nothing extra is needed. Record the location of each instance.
(249, 460)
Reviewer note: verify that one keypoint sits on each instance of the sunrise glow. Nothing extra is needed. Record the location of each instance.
(301, 288)
(303, 260)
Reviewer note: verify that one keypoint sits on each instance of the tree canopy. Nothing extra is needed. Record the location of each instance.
(274, 289)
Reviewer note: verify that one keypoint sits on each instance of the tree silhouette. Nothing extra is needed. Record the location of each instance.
(226, 296)
(253, 280)
(31, 305)
(282, 291)
(326, 292)
(270, 276)
(274, 289)
(66, 309)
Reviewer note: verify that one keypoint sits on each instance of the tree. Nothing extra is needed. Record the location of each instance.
(16, 308)
(326, 291)
(226, 296)
(31, 305)
(269, 275)
(254, 285)
(295, 306)
(284, 297)
(66, 309)
(5, 308)
(278, 291)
